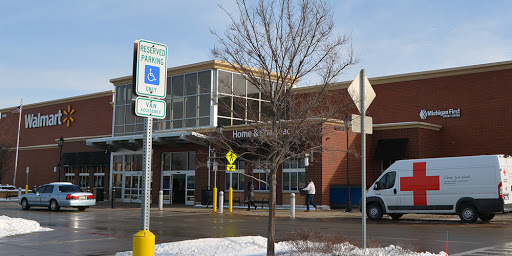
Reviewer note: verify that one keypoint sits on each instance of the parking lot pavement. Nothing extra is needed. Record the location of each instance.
(111, 230)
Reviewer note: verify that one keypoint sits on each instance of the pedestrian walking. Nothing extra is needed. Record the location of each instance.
(311, 193)
(250, 197)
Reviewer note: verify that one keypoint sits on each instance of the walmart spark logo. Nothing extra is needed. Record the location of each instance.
(69, 119)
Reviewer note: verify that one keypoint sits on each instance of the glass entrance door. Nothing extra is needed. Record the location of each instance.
(166, 188)
(178, 188)
(191, 180)
(132, 188)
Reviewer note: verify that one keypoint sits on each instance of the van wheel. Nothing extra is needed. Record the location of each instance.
(396, 216)
(54, 206)
(468, 214)
(374, 212)
(24, 204)
(486, 216)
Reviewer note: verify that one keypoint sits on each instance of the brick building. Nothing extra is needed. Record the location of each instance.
(75, 120)
(450, 112)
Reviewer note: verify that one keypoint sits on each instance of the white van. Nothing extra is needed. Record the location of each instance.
(471, 186)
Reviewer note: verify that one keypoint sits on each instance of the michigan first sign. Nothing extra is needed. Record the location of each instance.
(150, 69)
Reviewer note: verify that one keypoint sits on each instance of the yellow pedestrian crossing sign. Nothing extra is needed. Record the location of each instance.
(231, 167)
(231, 157)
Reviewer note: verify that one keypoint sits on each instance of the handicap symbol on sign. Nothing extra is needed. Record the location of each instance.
(152, 75)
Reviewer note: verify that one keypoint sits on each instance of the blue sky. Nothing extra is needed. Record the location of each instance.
(57, 49)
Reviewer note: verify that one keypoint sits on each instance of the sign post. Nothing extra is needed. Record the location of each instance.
(231, 157)
(26, 184)
(150, 82)
(362, 94)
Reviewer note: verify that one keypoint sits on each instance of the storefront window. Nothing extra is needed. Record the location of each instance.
(69, 174)
(83, 179)
(188, 105)
(294, 175)
(239, 101)
(179, 161)
(99, 177)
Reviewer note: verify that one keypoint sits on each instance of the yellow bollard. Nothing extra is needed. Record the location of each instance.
(230, 199)
(26, 189)
(215, 199)
(144, 243)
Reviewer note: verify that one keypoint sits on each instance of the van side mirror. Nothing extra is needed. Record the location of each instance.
(376, 187)
(33, 191)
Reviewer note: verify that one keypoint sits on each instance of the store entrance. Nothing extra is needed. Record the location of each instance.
(178, 188)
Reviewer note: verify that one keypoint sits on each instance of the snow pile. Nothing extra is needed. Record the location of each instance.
(257, 245)
(15, 226)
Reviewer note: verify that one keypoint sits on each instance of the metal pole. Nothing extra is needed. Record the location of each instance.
(147, 144)
(18, 144)
(221, 202)
(363, 157)
(160, 200)
(26, 184)
(60, 157)
(349, 202)
(230, 192)
(215, 167)
(292, 205)
(209, 165)
(113, 196)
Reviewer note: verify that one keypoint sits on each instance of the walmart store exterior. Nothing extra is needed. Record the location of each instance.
(450, 112)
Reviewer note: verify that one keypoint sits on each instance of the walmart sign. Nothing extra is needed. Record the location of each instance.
(39, 120)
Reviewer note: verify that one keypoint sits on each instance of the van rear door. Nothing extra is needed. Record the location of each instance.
(505, 184)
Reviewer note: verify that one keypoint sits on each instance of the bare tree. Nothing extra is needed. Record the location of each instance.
(274, 44)
(5, 157)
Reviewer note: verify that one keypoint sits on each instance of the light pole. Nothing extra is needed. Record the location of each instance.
(61, 143)
(346, 122)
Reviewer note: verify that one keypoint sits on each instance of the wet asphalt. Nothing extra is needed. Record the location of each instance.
(101, 230)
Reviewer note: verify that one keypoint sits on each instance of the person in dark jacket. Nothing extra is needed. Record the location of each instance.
(250, 196)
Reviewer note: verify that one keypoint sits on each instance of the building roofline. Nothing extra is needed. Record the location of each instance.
(205, 65)
(209, 64)
(63, 100)
(494, 66)
(405, 125)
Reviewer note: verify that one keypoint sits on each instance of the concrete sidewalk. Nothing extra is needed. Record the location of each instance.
(299, 212)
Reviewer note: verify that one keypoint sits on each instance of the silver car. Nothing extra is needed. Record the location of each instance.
(56, 195)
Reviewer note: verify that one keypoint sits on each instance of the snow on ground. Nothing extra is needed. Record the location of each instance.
(15, 226)
(256, 245)
(228, 246)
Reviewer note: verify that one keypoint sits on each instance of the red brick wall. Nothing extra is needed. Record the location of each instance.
(93, 117)
(484, 100)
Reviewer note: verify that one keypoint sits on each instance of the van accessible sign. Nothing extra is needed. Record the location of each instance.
(150, 69)
(150, 107)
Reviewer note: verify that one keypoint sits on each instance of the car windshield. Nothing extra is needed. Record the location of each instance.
(69, 188)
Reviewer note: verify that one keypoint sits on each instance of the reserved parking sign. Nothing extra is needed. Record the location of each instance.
(150, 69)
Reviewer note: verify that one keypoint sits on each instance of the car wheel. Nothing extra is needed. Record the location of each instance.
(468, 214)
(374, 212)
(396, 216)
(54, 206)
(486, 216)
(82, 208)
(24, 204)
